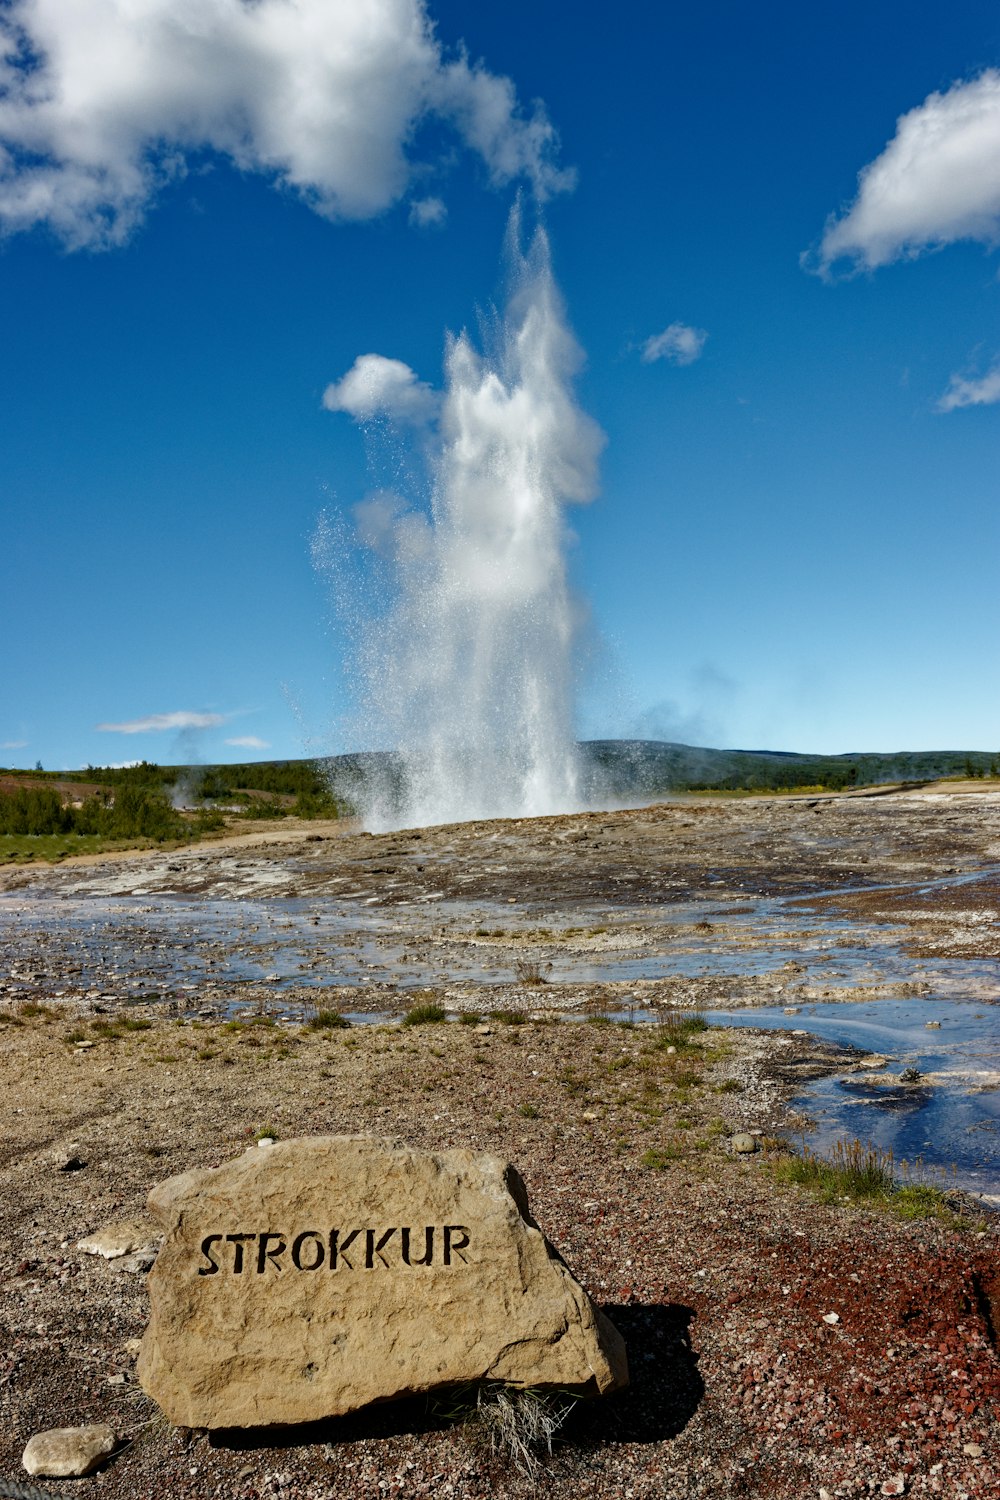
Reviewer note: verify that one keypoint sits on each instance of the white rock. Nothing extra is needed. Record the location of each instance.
(831, 1318)
(68, 1452)
(118, 1239)
(973, 1450)
(743, 1144)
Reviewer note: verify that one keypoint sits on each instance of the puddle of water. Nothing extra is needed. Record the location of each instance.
(951, 1124)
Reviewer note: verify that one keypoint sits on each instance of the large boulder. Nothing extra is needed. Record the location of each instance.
(315, 1276)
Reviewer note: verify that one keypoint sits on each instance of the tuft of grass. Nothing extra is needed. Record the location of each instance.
(864, 1174)
(685, 1078)
(470, 1018)
(266, 1133)
(573, 1083)
(518, 1427)
(509, 1017)
(679, 1029)
(657, 1159)
(327, 1020)
(113, 1029)
(528, 971)
(243, 1023)
(528, 1111)
(33, 1010)
(424, 1015)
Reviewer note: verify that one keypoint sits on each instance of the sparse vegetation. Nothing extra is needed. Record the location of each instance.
(425, 1015)
(327, 1020)
(527, 971)
(862, 1173)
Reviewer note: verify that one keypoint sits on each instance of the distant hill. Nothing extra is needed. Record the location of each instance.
(630, 770)
(648, 767)
(612, 770)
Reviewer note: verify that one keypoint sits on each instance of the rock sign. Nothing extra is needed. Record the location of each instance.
(312, 1277)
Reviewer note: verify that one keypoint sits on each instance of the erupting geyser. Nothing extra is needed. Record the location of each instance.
(469, 672)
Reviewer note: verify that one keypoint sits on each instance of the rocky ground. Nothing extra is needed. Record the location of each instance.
(780, 1346)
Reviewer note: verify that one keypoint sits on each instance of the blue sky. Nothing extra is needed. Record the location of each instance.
(207, 219)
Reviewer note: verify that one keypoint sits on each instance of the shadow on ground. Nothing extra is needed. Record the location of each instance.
(664, 1388)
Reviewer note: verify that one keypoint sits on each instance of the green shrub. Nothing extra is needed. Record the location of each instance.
(423, 1015)
(327, 1020)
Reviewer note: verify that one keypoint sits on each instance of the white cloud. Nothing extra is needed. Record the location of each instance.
(428, 213)
(965, 392)
(155, 723)
(937, 180)
(680, 344)
(102, 101)
(13, 744)
(375, 386)
(249, 742)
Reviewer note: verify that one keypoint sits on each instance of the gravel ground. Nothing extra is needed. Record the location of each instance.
(780, 1346)
(723, 1281)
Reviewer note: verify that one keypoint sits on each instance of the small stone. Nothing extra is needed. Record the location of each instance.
(671, 1051)
(117, 1239)
(484, 1030)
(72, 1163)
(831, 1318)
(791, 1010)
(84, 1046)
(894, 1486)
(120, 1379)
(68, 1452)
(973, 1450)
(933, 1025)
(267, 1140)
(743, 1144)
(135, 1265)
(825, 1494)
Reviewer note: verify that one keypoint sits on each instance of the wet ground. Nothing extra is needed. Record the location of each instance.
(870, 921)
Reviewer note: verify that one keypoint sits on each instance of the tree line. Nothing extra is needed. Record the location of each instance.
(134, 811)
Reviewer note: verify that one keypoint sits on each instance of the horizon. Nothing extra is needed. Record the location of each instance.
(205, 765)
(778, 252)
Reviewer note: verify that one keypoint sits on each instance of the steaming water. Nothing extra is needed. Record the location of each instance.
(470, 673)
